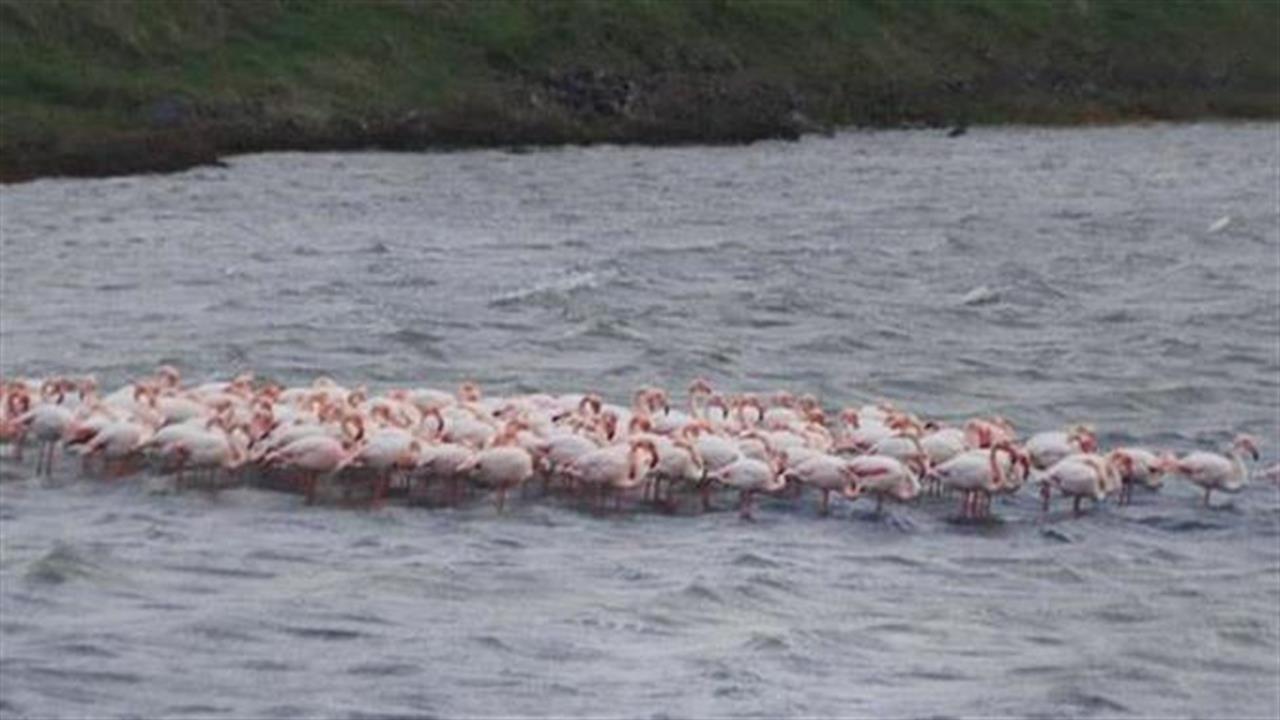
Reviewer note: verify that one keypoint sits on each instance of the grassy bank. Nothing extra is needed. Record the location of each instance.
(110, 87)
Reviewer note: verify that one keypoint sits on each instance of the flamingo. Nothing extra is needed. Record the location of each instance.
(988, 432)
(976, 473)
(678, 462)
(1082, 476)
(941, 444)
(17, 403)
(825, 472)
(1212, 471)
(1047, 448)
(385, 450)
(442, 461)
(502, 467)
(314, 455)
(884, 476)
(47, 422)
(751, 476)
(117, 442)
(210, 451)
(613, 467)
(1139, 466)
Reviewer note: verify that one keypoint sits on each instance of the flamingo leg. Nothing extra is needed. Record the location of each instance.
(1207, 491)
(879, 502)
(1075, 506)
(824, 508)
(502, 498)
(380, 483)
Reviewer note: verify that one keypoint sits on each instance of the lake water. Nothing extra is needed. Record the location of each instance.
(1127, 276)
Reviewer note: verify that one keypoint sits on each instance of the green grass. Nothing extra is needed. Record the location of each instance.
(75, 70)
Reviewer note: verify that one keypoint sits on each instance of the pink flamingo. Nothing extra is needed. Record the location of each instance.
(1082, 476)
(749, 477)
(314, 455)
(613, 467)
(885, 476)
(1047, 448)
(1139, 466)
(975, 473)
(504, 465)
(825, 472)
(1212, 471)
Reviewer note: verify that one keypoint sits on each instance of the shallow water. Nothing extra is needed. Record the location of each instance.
(1048, 275)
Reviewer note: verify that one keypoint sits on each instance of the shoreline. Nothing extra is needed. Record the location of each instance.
(167, 152)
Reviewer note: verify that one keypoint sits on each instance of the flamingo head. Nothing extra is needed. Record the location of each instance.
(591, 403)
(357, 397)
(408, 459)
(1122, 462)
(434, 412)
(853, 488)
(977, 433)
(52, 391)
(18, 403)
(692, 430)
(689, 448)
(904, 424)
(816, 416)
(240, 386)
(778, 461)
(717, 400)
(1248, 444)
(169, 376)
(609, 422)
(639, 424)
(353, 428)
(658, 399)
(700, 386)
(849, 417)
(145, 393)
(648, 448)
(469, 392)
(750, 401)
(1165, 462)
(1085, 436)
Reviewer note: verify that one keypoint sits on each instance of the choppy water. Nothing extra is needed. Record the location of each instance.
(1049, 275)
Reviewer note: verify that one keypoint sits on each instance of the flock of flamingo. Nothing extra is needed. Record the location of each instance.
(434, 446)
